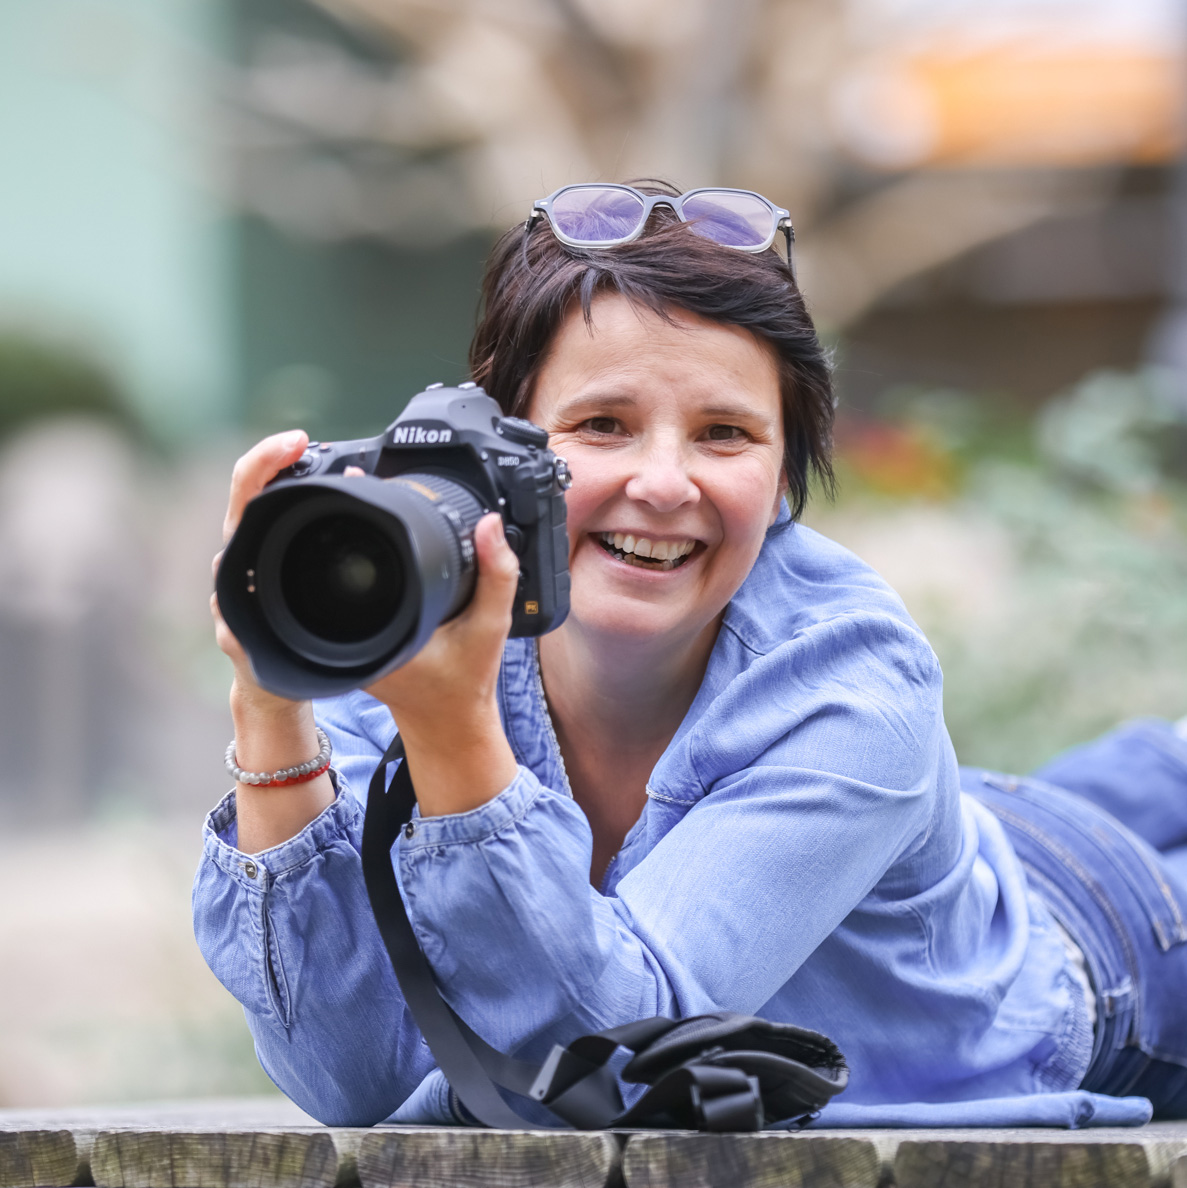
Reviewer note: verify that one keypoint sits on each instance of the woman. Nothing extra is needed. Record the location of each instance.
(723, 783)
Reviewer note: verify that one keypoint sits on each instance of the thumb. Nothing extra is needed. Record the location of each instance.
(498, 570)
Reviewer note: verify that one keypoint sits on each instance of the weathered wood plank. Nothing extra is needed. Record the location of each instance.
(1121, 1157)
(670, 1159)
(214, 1159)
(455, 1157)
(267, 1143)
(33, 1158)
(979, 1164)
(82, 1123)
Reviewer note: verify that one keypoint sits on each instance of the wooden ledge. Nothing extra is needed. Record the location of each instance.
(269, 1143)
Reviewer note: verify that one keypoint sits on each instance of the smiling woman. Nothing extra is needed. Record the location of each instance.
(724, 783)
(672, 427)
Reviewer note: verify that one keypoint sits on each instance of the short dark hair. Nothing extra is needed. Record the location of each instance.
(533, 280)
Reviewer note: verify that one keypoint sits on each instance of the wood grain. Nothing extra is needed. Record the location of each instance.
(214, 1159)
(1025, 1161)
(32, 1158)
(269, 1143)
(671, 1159)
(455, 1157)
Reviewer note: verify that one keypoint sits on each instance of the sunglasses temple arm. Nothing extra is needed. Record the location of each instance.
(789, 236)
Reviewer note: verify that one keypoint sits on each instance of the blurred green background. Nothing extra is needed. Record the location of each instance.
(224, 217)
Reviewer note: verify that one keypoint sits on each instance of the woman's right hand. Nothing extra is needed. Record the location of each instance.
(252, 473)
(270, 732)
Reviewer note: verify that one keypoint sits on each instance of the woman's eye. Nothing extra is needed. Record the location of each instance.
(724, 433)
(601, 424)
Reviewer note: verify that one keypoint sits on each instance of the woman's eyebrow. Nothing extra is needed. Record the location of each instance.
(610, 401)
(593, 401)
(734, 412)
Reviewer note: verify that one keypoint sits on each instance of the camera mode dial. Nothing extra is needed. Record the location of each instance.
(524, 432)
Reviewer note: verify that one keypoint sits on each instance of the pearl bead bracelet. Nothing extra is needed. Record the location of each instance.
(303, 772)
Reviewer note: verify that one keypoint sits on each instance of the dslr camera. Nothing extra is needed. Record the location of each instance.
(331, 581)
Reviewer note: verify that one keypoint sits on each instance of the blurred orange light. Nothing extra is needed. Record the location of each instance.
(1014, 104)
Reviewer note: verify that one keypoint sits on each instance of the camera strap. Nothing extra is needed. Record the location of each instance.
(721, 1072)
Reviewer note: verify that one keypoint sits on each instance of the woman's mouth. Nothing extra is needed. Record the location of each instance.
(645, 553)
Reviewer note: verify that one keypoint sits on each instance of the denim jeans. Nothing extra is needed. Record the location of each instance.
(1102, 833)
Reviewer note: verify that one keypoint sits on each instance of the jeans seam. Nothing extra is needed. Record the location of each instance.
(1092, 887)
(1168, 895)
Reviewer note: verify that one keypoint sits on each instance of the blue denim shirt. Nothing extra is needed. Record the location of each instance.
(805, 854)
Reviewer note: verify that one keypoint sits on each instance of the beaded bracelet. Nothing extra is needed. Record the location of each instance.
(303, 772)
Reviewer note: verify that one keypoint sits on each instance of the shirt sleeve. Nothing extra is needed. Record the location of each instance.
(799, 787)
(290, 934)
(767, 823)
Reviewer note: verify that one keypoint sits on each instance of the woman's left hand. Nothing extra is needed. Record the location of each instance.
(444, 699)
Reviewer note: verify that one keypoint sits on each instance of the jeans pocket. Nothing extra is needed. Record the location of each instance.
(1112, 848)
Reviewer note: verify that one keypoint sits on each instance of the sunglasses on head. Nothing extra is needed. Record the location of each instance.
(597, 215)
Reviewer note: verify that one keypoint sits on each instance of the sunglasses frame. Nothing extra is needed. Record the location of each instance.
(780, 218)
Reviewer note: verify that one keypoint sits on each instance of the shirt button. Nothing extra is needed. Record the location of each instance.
(250, 869)
(409, 829)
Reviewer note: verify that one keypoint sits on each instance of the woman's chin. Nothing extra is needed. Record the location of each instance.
(629, 616)
(629, 602)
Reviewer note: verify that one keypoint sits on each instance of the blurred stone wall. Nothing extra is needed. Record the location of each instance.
(108, 700)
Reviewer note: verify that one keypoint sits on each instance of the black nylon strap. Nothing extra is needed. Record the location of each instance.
(575, 1083)
(466, 1059)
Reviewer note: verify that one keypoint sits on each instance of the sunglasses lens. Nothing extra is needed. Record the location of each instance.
(597, 214)
(736, 220)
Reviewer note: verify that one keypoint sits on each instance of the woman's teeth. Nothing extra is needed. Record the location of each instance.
(638, 550)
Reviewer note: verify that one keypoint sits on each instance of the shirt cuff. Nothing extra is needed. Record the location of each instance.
(341, 820)
(432, 1103)
(478, 824)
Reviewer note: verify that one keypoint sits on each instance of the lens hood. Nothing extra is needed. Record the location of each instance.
(277, 574)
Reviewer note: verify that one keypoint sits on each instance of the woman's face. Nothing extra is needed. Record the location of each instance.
(674, 434)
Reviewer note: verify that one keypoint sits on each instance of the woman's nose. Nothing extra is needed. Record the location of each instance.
(662, 480)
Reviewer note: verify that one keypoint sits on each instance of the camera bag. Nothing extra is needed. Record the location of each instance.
(715, 1072)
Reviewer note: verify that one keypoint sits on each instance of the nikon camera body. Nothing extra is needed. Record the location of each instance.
(331, 581)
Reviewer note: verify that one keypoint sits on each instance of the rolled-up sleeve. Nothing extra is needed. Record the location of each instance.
(290, 934)
(782, 809)
(768, 821)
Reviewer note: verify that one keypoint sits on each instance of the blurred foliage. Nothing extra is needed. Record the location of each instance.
(39, 378)
(1044, 555)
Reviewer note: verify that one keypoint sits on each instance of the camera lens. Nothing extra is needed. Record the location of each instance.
(342, 579)
(335, 577)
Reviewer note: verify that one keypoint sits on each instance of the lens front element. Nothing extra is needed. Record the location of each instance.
(342, 579)
(346, 575)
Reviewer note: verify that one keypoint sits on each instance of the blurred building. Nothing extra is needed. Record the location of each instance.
(258, 213)
(128, 234)
(1040, 139)
(267, 211)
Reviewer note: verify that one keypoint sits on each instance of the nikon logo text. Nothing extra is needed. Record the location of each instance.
(419, 435)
